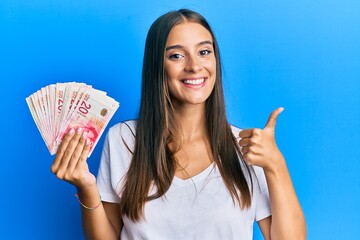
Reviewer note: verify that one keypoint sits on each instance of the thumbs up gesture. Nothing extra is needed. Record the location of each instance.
(258, 146)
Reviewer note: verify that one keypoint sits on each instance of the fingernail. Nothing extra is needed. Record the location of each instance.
(87, 142)
(79, 130)
(84, 135)
(71, 131)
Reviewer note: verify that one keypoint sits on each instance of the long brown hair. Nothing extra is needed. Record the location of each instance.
(153, 163)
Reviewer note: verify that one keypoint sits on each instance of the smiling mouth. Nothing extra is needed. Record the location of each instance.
(194, 82)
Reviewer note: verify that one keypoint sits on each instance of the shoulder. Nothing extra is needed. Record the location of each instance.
(125, 127)
(125, 130)
(120, 141)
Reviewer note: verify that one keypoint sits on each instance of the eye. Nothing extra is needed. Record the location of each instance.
(176, 56)
(204, 52)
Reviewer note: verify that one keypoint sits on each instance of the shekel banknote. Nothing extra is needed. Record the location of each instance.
(59, 107)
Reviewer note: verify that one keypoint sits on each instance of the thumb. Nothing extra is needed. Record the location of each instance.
(272, 118)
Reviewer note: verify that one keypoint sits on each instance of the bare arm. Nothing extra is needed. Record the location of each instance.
(259, 148)
(70, 165)
(100, 223)
(113, 212)
(264, 225)
(288, 220)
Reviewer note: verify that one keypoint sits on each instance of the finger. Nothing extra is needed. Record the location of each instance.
(244, 150)
(68, 152)
(77, 153)
(85, 153)
(86, 150)
(61, 150)
(244, 142)
(249, 157)
(246, 133)
(273, 117)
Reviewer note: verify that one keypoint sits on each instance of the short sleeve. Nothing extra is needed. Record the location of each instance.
(262, 199)
(115, 160)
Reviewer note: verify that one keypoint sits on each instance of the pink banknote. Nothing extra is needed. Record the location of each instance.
(59, 107)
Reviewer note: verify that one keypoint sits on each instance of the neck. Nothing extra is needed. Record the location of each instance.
(192, 121)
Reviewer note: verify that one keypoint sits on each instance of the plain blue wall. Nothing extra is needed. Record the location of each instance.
(303, 55)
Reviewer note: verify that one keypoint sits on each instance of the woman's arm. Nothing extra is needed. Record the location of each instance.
(101, 223)
(70, 165)
(264, 225)
(287, 220)
(259, 148)
(113, 212)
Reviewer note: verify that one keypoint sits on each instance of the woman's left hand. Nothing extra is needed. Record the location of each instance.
(258, 146)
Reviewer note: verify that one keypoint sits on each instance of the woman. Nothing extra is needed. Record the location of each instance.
(179, 172)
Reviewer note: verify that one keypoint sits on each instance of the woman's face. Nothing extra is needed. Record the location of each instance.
(190, 63)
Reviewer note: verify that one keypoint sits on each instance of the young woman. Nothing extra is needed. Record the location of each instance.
(181, 171)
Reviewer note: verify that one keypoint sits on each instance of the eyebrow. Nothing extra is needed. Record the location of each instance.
(180, 46)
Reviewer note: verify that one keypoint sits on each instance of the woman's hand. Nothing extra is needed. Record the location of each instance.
(258, 146)
(70, 165)
(70, 161)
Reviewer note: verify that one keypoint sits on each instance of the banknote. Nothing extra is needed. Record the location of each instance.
(59, 107)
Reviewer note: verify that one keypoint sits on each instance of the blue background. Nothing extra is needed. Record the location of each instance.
(302, 55)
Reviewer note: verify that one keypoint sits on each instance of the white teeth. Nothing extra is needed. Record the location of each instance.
(194, 82)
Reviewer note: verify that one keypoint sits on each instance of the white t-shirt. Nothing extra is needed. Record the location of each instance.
(197, 208)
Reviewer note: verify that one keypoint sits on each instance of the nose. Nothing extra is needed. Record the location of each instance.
(193, 64)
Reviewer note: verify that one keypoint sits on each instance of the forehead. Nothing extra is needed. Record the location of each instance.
(188, 33)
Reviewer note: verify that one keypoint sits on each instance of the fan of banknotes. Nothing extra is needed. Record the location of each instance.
(59, 107)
